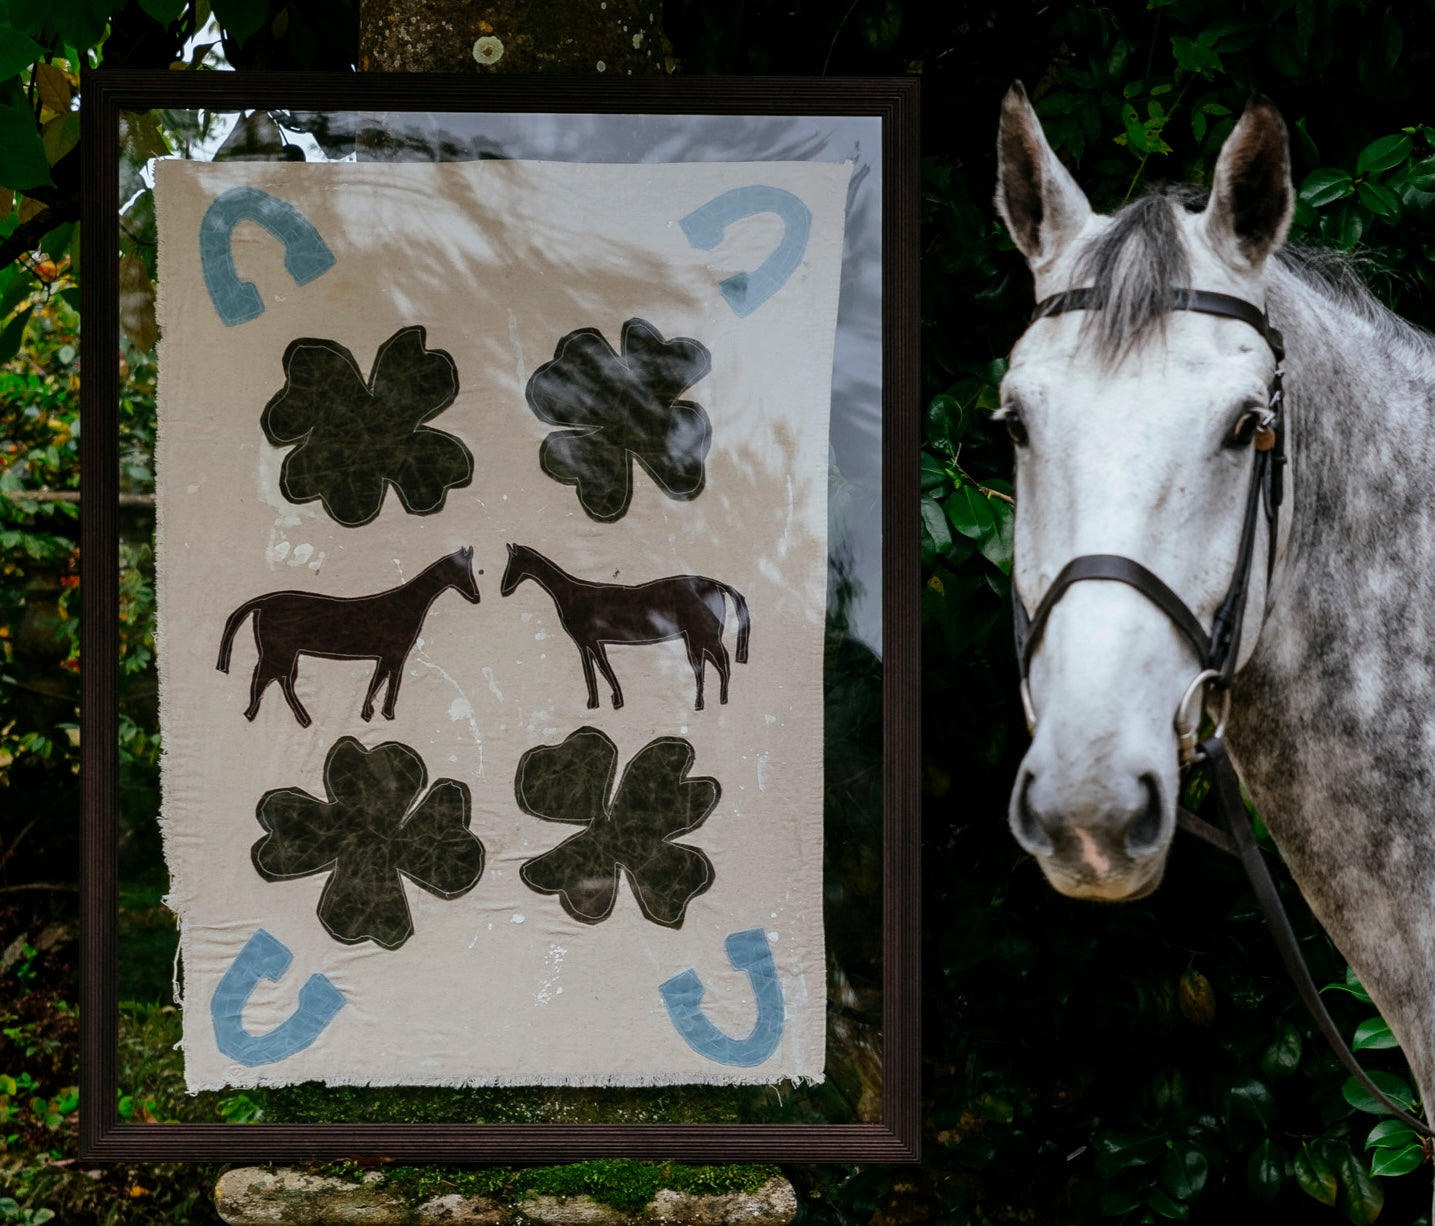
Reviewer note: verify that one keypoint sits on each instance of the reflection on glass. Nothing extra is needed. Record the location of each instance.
(609, 402)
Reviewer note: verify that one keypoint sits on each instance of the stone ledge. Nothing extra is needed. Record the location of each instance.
(281, 1196)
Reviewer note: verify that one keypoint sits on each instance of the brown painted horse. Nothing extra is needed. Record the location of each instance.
(382, 627)
(689, 607)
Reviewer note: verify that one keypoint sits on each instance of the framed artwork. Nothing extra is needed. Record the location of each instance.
(535, 565)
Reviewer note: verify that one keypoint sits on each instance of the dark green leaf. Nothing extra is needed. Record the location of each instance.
(1382, 154)
(1168, 1089)
(1379, 199)
(240, 18)
(934, 473)
(1360, 1198)
(1117, 1201)
(882, 27)
(1389, 1162)
(13, 334)
(1306, 142)
(1391, 1134)
(80, 23)
(1231, 35)
(945, 419)
(970, 513)
(1283, 1056)
(1350, 226)
(163, 11)
(1255, 1097)
(1315, 1175)
(1422, 175)
(1395, 1088)
(1351, 985)
(1265, 1172)
(17, 52)
(996, 545)
(1375, 1032)
(1322, 187)
(22, 156)
(18, 284)
(1193, 56)
(934, 524)
(1123, 1149)
(1184, 1171)
(1166, 1207)
(60, 135)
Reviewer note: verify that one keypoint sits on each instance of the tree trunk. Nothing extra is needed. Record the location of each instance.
(620, 38)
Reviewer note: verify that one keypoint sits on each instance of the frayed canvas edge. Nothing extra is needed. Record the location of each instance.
(615, 1081)
(164, 169)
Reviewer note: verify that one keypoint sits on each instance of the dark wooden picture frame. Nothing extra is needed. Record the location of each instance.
(107, 97)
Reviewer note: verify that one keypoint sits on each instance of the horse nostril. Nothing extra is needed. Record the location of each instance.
(1028, 827)
(1146, 833)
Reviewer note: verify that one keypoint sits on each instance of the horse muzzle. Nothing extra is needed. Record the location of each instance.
(1095, 842)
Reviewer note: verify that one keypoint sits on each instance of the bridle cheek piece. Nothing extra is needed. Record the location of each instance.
(1217, 649)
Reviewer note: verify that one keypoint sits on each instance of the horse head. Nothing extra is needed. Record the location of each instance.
(1133, 425)
(513, 573)
(466, 585)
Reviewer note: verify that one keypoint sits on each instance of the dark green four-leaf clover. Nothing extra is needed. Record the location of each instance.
(355, 437)
(377, 827)
(620, 409)
(630, 835)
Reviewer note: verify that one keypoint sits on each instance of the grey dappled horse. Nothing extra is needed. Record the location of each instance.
(1135, 428)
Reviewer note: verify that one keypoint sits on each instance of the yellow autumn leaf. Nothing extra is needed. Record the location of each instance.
(53, 85)
(60, 135)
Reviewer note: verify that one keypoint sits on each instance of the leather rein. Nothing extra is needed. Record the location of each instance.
(1216, 650)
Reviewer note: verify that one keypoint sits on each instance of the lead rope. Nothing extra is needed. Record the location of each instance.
(1241, 842)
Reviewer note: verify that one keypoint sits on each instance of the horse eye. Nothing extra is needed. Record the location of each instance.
(1245, 428)
(1015, 427)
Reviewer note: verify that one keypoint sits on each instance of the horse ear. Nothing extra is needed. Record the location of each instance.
(1038, 199)
(1251, 196)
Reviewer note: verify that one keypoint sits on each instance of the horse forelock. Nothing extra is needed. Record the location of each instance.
(1133, 265)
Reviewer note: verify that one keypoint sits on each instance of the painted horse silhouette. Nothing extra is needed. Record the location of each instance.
(687, 607)
(382, 627)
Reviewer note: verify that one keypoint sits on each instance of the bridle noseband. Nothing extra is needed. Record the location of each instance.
(1217, 649)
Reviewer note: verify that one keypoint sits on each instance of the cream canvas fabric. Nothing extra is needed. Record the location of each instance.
(443, 372)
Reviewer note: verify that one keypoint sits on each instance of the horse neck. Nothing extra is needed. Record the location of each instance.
(1361, 404)
(549, 574)
(424, 588)
(1332, 719)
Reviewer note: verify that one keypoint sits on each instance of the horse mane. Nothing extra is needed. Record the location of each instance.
(1341, 278)
(1137, 261)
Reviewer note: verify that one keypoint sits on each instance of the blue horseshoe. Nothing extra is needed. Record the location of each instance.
(266, 957)
(705, 227)
(305, 254)
(683, 995)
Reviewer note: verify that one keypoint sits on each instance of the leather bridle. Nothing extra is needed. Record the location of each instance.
(1217, 649)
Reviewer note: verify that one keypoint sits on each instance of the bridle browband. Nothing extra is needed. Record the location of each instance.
(1216, 649)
